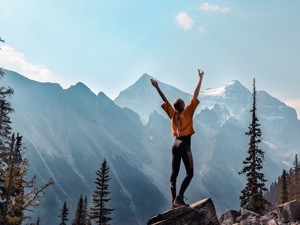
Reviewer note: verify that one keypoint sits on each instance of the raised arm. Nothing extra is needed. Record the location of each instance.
(155, 84)
(197, 90)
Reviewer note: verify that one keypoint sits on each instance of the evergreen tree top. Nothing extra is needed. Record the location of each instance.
(252, 195)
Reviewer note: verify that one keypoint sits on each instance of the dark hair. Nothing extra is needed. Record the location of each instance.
(177, 105)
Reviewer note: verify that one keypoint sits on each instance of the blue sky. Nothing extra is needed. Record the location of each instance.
(108, 45)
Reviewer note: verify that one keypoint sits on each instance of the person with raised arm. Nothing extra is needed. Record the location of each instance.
(182, 128)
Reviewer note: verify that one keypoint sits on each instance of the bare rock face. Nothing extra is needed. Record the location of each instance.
(285, 214)
(200, 213)
(230, 217)
(289, 212)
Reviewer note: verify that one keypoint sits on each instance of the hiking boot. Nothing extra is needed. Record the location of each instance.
(178, 202)
(174, 205)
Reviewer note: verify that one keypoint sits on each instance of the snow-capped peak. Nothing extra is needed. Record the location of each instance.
(232, 86)
(236, 87)
(214, 91)
(233, 82)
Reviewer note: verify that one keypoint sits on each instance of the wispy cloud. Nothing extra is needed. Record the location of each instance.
(214, 8)
(184, 21)
(13, 60)
(295, 103)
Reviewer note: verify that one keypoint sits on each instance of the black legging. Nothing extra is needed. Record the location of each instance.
(180, 150)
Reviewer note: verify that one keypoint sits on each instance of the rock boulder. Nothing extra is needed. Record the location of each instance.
(285, 214)
(200, 213)
(289, 212)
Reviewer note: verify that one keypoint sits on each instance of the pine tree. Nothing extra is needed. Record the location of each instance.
(79, 215)
(64, 214)
(99, 211)
(86, 212)
(16, 200)
(5, 135)
(288, 186)
(5, 110)
(252, 195)
(290, 176)
(283, 188)
(14, 183)
(295, 180)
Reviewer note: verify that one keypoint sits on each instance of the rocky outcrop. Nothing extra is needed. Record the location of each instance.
(200, 213)
(203, 213)
(289, 212)
(230, 217)
(285, 214)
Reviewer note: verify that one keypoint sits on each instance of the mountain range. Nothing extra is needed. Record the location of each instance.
(68, 133)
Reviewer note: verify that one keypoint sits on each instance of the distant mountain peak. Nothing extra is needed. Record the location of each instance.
(144, 78)
(234, 82)
(101, 95)
(214, 91)
(232, 86)
(142, 84)
(236, 87)
(80, 87)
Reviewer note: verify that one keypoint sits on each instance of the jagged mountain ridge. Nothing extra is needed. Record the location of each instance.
(234, 98)
(72, 130)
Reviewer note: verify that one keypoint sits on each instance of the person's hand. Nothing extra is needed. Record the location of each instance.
(154, 83)
(200, 73)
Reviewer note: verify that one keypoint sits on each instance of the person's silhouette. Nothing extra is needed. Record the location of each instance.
(182, 128)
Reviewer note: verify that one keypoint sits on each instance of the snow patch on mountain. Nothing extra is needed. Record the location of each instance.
(214, 92)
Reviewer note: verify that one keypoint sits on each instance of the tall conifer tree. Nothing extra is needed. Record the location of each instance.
(64, 214)
(82, 213)
(252, 195)
(86, 212)
(284, 197)
(295, 180)
(78, 220)
(5, 110)
(5, 135)
(17, 201)
(99, 211)
(14, 183)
